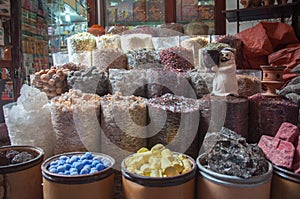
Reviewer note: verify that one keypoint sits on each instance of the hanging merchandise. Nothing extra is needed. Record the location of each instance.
(1, 34)
(5, 7)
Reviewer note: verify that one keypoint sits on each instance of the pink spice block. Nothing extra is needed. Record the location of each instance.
(288, 132)
(279, 152)
(268, 144)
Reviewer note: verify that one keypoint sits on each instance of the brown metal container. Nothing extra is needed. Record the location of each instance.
(88, 186)
(143, 187)
(212, 185)
(23, 180)
(285, 184)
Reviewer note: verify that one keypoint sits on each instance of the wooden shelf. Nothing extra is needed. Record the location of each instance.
(263, 12)
(8, 46)
(5, 63)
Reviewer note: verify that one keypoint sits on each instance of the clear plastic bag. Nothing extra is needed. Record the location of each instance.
(75, 119)
(160, 43)
(136, 41)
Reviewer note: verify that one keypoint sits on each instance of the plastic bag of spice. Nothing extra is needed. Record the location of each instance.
(52, 81)
(174, 121)
(104, 59)
(80, 48)
(136, 41)
(143, 58)
(91, 80)
(173, 26)
(128, 82)
(75, 119)
(84, 57)
(123, 121)
(199, 83)
(160, 43)
(195, 44)
(267, 114)
(177, 58)
(109, 41)
(160, 82)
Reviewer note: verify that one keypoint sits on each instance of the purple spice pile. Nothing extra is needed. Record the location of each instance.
(267, 114)
(177, 58)
(173, 103)
(177, 120)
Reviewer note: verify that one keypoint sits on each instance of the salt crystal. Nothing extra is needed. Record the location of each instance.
(29, 121)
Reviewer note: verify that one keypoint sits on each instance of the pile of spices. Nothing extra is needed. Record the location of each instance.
(177, 58)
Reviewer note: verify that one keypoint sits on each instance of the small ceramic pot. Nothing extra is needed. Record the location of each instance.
(272, 78)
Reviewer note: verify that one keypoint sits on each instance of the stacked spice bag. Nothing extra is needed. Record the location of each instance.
(75, 120)
(108, 53)
(90, 80)
(123, 122)
(178, 119)
(80, 48)
(53, 81)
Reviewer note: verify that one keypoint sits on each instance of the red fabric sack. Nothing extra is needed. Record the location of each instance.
(279, 34)
(289, 56)
(262, 40)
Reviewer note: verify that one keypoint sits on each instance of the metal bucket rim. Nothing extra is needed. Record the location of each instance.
(80, 178)
(286, 174)
(24, 165)
(159, 181)
(234, 180)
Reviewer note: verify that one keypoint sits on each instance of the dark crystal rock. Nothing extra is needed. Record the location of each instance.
(231, 155)
(21, 157)
(10, 154)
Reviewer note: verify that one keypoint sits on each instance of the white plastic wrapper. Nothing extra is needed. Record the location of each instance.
(80, 48)
(84, 57)
(105, 59)
(60, 58)
(109, 41)
(160, 43)
(136, 41)
(81, 42)
(128, 82)
(29, 120)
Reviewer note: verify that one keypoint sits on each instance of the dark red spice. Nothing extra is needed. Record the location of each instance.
(177, 58)
(266, 114)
